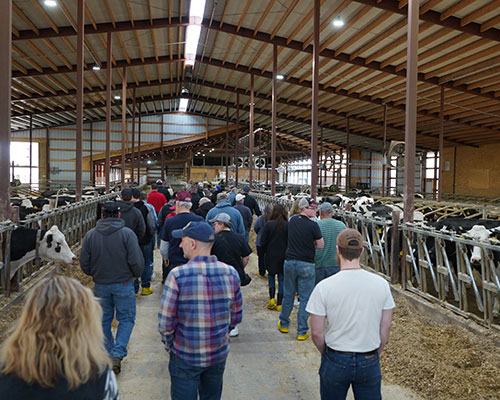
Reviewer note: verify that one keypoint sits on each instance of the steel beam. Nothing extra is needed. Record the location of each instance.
(384, 153)
(251, 133)
(79, 97)
(139, 145)
(314, 106)
(133, 136)
(273, 120)
(161, 148)
(227, 145)
(236, 142)
(107, 165)
(348, 156)
(441, 144)
(124, 122)
(31, 149)
(411, 108)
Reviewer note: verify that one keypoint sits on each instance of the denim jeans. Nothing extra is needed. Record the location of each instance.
(298, 278)
(119, 297)
(337, 372)
(271, 280)
(186, 381)
(325, 272)
(147, 253)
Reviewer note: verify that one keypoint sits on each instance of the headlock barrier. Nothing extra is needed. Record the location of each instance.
(434, 264)
(74, 220)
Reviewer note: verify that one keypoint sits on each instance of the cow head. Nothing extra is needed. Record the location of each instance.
(480, 233)
(53, 247)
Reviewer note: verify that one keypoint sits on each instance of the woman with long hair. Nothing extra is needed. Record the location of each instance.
(258, 228)
(56, 348)
(274, 242)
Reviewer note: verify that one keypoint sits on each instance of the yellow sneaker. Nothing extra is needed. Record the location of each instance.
(261, 276)
(278, 308)
(281, 329)
(146, 291)
(303, 337)
(271, 304)
(137, 295)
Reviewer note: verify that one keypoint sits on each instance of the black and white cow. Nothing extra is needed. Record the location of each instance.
(52, 246)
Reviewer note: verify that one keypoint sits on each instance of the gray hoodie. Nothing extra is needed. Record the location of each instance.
(110, 252)
(133, 218)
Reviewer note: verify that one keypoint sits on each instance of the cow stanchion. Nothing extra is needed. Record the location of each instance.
(395, 260)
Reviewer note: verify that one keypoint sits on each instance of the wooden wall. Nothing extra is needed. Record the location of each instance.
(476, 171)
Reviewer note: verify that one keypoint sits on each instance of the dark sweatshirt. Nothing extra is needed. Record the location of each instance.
(133, 218)
(110, 252)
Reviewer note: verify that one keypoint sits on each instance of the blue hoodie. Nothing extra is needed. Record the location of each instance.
(224, 206)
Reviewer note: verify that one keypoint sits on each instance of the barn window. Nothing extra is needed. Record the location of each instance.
(20, 163)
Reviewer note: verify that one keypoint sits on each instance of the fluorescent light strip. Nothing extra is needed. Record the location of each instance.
(193, 31)
(183, 104)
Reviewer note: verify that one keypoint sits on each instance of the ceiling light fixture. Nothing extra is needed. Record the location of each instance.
(117, 97)
(183, 104)
(50, 3)
(193, 30)
(280, 77)
(96, 67)
(337, 22)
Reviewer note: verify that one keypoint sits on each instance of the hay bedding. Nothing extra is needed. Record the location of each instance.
(437, 361)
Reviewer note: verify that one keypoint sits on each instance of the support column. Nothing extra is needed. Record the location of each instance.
(321, 162)
(79, 97)
(132, 152)
(441, 145)
(5, 93)
(109, 71)
(161, 149)
(384, 151)
(315, 89)
(251, 137)
(236, 142)
(47, 158)
(31, 149)
(411, 109)
(348, 157)
(260, 153)
(273, 122)
(227, 145)
(91, 161)
(124, 121)
(139, 146)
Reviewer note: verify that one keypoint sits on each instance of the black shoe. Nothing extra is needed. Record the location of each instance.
(117, 364)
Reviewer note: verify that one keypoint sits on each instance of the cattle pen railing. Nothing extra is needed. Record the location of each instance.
(427, 268)
(74, 220)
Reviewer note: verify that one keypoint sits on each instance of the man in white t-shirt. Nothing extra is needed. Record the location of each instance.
(357, 306)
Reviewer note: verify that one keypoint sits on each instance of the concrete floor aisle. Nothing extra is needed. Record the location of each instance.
(263, 364)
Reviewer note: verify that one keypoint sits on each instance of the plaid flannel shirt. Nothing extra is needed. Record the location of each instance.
(201, 303)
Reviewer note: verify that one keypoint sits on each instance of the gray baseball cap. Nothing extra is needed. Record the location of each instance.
(325, 207)
(222, 218)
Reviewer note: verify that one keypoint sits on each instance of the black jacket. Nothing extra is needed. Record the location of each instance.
(203, 210)
(251, 203)
(133, 218)
(274, 243)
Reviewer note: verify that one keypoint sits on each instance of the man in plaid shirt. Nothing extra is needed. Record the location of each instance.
(201, 304)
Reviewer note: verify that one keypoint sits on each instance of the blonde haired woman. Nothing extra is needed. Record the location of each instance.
(56, 349)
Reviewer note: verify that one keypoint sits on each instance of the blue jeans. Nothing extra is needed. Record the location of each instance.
(186, 381)
(119, 297)
(272, 282)
(298, 278)
(147, 253)
(325, 272)
(337, 372)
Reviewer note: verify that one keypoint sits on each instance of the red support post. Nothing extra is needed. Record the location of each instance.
(273, 121)
(80, 67)
(315, 90)
(251, 134)
(124, 122)
(107, 165)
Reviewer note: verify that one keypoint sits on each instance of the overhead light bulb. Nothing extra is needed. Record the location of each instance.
(117, 97)
(50, 3)
(338, 22)
(280, 77)
(96, 67)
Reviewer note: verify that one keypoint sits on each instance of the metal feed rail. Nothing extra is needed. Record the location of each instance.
(74, 220)
(452, 283)
(426, 270)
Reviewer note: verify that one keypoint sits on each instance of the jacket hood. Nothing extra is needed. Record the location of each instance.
(109, 225)
(223, 203)
(125, 205)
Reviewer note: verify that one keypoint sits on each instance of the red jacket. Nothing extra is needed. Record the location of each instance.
(156, 199)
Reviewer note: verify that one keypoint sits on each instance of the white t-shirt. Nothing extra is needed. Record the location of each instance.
(352, 302)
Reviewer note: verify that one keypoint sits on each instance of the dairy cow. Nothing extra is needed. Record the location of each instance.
(52, 246)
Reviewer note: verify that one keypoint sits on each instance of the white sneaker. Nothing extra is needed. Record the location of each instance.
(296, 303)
(234, 332)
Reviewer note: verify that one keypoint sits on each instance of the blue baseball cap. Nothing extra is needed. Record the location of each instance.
(201, 231)
(218, 187)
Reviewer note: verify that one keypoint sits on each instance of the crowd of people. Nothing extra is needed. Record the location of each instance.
(311, 260)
